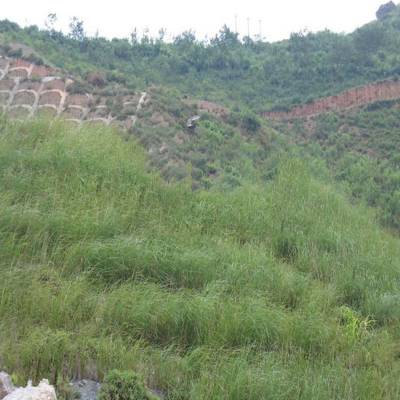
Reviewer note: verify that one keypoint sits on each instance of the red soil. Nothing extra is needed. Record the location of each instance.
(212, 108)
(21, 73)
(380, 91)
(57, 84)
(50, 98)
(26, 98)
(78, 100)
(29, 85)
(7, 84)
(40, 71)
(17, 63)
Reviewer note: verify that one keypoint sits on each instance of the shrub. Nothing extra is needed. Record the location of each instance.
(124, 385)
(96, 79)
(250, 122)
(35, 59)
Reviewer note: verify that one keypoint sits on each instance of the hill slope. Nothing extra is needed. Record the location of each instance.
(226, 69)
(245, 77)
(284, 291)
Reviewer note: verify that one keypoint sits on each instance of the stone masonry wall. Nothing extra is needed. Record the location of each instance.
(27, 90)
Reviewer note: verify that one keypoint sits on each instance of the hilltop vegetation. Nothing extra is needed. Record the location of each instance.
(269, 291)
(228, 69)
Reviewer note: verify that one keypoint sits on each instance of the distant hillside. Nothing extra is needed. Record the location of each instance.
(223, 148)
(361, 148)
(228, 70)
(228, 83)
(356, 97)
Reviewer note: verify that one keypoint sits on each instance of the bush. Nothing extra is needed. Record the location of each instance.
(250, 122)
(96, 79)
(35, 59)
(124, 385)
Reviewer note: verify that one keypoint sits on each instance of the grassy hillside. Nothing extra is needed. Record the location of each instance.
(266, 292)
(227, 69)
(221, 151)
(248, 76)
(361, 149)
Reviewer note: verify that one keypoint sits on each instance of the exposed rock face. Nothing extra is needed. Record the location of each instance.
(6, 386)
(43, 391)
(380, 91)
(384, 10)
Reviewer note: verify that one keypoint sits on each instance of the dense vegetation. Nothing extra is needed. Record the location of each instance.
(361, 149)
(249, 75)
(219, 152)
(227, 68)
(269, 291)
(282, 287)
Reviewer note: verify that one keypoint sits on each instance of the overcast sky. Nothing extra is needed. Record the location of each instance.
(117, 18)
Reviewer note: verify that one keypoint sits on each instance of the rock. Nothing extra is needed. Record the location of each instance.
(6, 386)
(158, 394)
(86, 388)
(191, 122)
(44, 391)
(385, 9)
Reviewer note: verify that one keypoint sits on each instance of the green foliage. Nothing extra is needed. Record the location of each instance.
(250, 122)
(361, 150)
(123, 385)
(261, 292)
(256, 74)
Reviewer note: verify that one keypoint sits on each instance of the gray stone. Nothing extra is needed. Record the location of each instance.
(6, 386)
(86, 388)
(191, 122)
(44, 391)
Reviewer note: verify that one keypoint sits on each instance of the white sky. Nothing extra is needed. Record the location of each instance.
(117, 18)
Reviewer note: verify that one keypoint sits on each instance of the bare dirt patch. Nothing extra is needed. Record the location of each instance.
(18, 63)
(27, 98)
(50, 98)
(40, 71)
(29, 85)
(7, 84)
(57, 84)
(78, 100)
(4, 97)
(18, 73)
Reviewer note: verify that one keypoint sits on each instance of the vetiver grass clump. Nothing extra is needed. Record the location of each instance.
(275, 292)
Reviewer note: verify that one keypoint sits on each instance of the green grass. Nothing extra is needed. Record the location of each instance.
(360, 149)
(266, 292)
